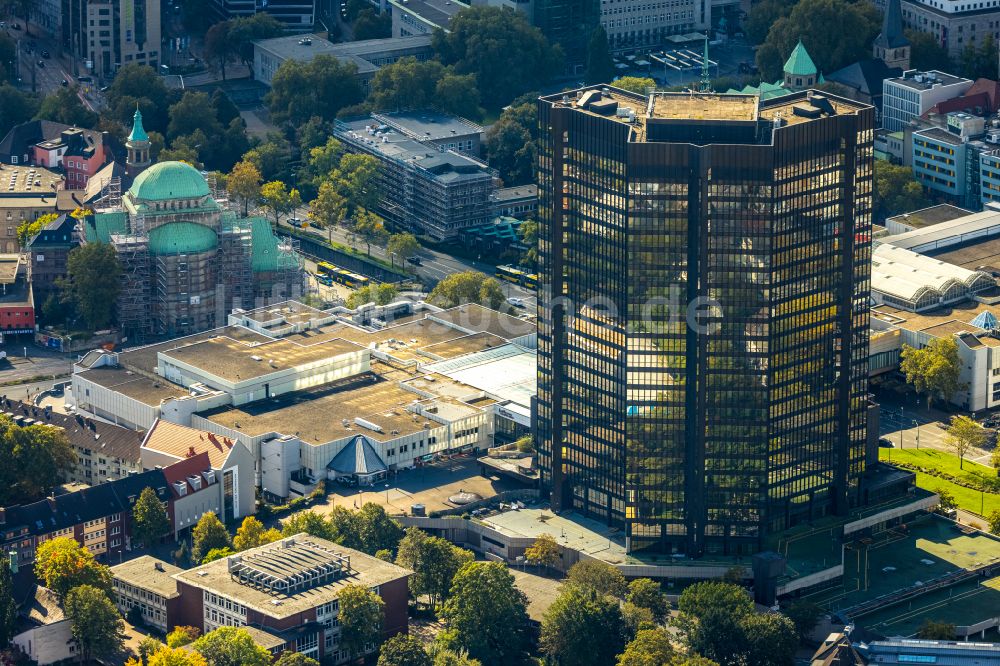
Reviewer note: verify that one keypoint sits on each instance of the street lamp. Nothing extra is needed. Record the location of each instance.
(901, 428)
(917, 423)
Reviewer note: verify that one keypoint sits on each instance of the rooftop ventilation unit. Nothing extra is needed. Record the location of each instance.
(367, 424)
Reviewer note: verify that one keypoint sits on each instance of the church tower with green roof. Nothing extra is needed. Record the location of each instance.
(800, 70)
(137, 145)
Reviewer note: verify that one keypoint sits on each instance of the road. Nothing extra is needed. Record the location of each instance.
(434, 265)
(907, 425)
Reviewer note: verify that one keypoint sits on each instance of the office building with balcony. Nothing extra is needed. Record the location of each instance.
(909, 96)
(703, 312)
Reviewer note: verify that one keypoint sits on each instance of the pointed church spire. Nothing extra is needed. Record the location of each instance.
(891, 46)
(138, 132)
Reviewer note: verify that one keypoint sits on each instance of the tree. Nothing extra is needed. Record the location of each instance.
(650, 647)
(244, 182)
(219, 49)
(371, 228)
(194, 111)
(373, 530)
(231, 646)
(356, 178)
(271, 157)
(771, 639)
(322, 87)
(457, 94)
(443, 656)
(252, 534)
(96, 624)
(37, 458)
(896, 191)
(329, 208)
(857, 24)
(63, 564)
(544, 552)
(804, 615)
(467, 287)
(148, 646)
(933, 630)
(182, 635)
(380, 294)
(93, 283)
(278, 199)
(370, 25)
(385, 555)
(402, 246)
(289, 658)
(646, 593)
(762, 16)
(167, 656)
(583, 627)
(946, 500)
(511, 144)
(247, 29)
(28, 229)
(485, 614)
(403, 650)
(64, 106)
(311, 523)
(979, 61)
(964, 434)
(600, 65)
(636, 84)
(149, 517)
(434, 562)
(209, 533)
(926, 53)
(360, 618)
(503, 51)
(16, 107)
(405, 84)
(636, 619)
(932, 370)
(598, 576)
(709, 620)
(217, 554)
(993, 521)
(139, 84)
(8, 607)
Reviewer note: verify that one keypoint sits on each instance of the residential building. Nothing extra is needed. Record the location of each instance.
(296, 386)
(49, 255)
(30, 193)
(692, 428)
(105, 452)
(367, 55)
(187, 260)
(519, 201)
(45, 635)
(911, 95)
(147, 583)
(287, 593)
(79, 153)
(230, 462)
(434, 128)
(98, 517)
(427, 188)
(298, 16)
(422, 17)
(939, 159)
(17, 303)
(26, 144)
(108, 34)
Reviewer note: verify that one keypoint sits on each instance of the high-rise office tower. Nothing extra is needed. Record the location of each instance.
(703, 312)
(106, 35)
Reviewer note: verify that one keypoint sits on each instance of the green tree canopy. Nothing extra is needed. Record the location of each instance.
(934, 630)
(770, 638)
(139, 84)
(762, 16)
(485, 614)
(434, 561)
(374, 530)
(149, 518)
(28, 229)
(231, 646)
(583, 627)
(650, 647)
(323, 86)
(63, 564)
(244, 183)
(182, 635)
(501, 49)
(403, 650)
(926, 53)
(646, 593)
(8, 607)
(37, 458)
(289, 658)
(65, 106)
(252, 534)
(380, 294)
(804, 615)
(311, 523)
(271, 157)
(636, 84)
(95, 622)
(978, 60)
(16, 107)
(896, 191)
(710, 617)
(93, 283)
(545, 552)
(402, 245)
(600, 65)
(511, 144)
(370, 25)
(467, 287)
(356, 178)
(217, 554)
(278, 199)
(964, 434)
(835, 32)
(209, 533)
(405, 84)
(598, 576)
(932, 370)
(360, 618)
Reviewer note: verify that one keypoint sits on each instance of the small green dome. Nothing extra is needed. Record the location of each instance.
(181, 238)
(169, 180)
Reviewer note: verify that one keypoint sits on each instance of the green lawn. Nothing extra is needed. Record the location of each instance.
(966, 498)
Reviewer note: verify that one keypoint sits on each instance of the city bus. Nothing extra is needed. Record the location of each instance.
(515, 275)
(341, 275)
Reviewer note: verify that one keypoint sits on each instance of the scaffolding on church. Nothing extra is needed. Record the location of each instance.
(135, 298)
(219, 193)
(111, 196)
(235, 260)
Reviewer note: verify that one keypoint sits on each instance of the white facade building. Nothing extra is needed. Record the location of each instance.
(912, 94)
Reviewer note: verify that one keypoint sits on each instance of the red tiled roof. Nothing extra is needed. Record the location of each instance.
(183, 442)
(180, 471)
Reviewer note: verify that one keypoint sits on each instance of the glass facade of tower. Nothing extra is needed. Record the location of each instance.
(703, 312)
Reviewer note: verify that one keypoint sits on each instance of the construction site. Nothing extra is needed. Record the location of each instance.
(187, 258)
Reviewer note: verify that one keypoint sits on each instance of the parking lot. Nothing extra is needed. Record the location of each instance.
(430, 485)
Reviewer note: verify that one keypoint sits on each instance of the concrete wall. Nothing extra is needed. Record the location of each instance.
(48, 643)
(112, 406)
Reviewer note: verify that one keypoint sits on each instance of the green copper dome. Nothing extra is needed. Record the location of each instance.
(799, 63)
(181, 238)
(169, 180)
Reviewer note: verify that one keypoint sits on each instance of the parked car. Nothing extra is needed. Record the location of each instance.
(41, 64)
(516, 302)
(64, 83)
(415, 260)
(45, 54)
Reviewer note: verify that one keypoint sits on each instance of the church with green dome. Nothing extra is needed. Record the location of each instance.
(188, 259)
